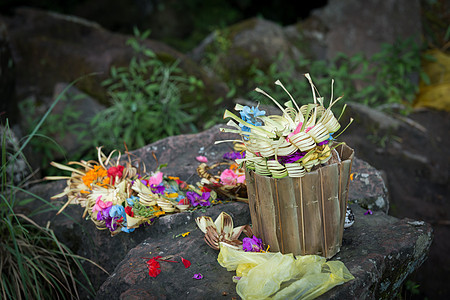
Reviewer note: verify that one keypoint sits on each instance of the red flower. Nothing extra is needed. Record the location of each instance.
(129, 211)
(183, 201)
(183, 185)
(186, 263)
(154, 268)
(205, 189)
(115, 172)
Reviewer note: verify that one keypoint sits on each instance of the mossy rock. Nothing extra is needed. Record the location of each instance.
(236, 51)
(60, 48)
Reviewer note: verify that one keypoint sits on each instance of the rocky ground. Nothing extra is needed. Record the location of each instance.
(415, 162)
(380, 251)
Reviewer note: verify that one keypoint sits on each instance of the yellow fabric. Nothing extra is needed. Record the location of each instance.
(282, 276)
(437, 94)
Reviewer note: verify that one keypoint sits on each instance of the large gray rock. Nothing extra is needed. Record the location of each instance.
(179, 153)
(413, 153)
(380, 251)
(367, 187)
(238, 48)
(84, 107)
(363, 26)
(49, 48)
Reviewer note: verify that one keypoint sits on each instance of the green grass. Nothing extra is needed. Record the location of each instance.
(34, 264)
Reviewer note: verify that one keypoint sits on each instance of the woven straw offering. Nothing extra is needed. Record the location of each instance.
(296, 174)
(121, 198)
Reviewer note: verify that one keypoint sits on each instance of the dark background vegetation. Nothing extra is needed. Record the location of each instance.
(198, 19)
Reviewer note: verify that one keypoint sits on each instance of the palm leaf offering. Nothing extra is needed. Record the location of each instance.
(122, 197)
(291, 144)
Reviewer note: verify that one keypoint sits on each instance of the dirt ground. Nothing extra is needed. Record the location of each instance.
(416, 165)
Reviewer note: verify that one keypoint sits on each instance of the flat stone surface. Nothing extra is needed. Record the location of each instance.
(379, 250)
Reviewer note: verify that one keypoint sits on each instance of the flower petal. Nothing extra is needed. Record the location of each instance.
(185, 262)
(202, 159)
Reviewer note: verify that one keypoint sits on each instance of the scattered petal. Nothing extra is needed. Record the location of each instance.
(252, 244)
(197, 276)
(185, 235)
(202, 159)
(368, 212)
(185, 262)
(154, 268)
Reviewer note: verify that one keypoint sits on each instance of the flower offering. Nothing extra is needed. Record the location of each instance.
(118, 198)
(289, 144)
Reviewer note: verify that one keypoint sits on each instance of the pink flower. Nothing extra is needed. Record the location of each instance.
(202, 159)
(156, 179)
(297, 130)
(228, 177)
(197, 276)
(100, 205)
(241, 179)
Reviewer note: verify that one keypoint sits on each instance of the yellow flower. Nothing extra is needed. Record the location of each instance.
(185, 234)
(159, 213)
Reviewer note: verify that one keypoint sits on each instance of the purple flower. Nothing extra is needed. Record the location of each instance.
(330, 138)
(159, 189)
(233, 155)
(323, 143)
(368, 212)
(104, 216)
(291, 158)
(197, 200)
(252, 244)
(197, 276)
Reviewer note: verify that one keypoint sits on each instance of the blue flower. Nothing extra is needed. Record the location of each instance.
(250, 115)
(117, 212)
(132, 200)
(125, 229)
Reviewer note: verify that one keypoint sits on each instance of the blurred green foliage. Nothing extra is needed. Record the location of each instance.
(388, 78)
(146, 101)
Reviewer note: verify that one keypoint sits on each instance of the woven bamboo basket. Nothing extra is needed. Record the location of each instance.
(302, 215)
